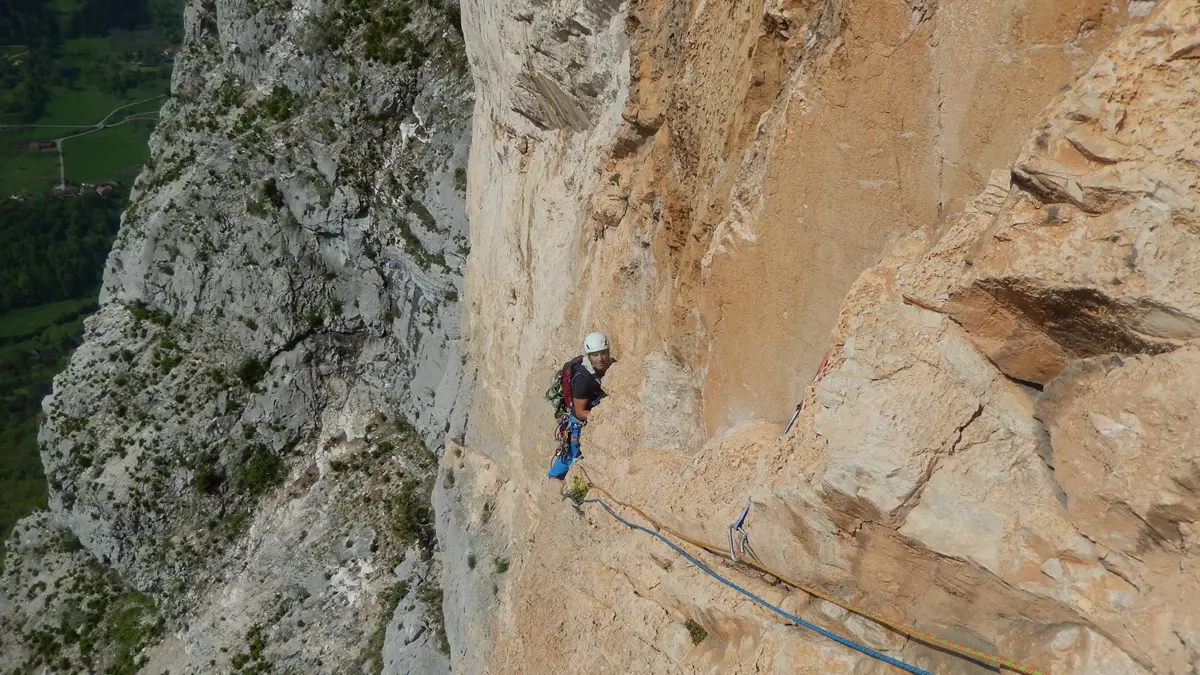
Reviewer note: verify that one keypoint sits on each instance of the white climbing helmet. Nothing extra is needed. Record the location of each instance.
(594, 342)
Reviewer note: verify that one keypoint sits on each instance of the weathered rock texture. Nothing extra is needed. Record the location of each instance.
(999, 450)
(243, 435)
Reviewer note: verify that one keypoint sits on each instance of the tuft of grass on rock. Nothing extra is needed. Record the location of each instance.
(579, 489)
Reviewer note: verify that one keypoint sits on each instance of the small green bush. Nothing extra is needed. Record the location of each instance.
(231, 95)
(207, 479)
(404, 427)
(501, 565)
(261, 470)
(141, 312)
(257, 208)
(254, 659)
(579, 490)
(69, 543)
(696, 631)
(251, 372)
(279, 105)
(412, 516)
(270, 192)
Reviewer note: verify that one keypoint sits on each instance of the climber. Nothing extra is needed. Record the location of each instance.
(575, 391)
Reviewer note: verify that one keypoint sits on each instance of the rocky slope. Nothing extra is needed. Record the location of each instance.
(247, 435)
(998, 449)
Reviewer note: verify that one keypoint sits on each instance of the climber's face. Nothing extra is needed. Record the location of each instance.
(600, 360)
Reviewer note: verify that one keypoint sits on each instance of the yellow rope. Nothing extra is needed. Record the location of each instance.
(897, 626)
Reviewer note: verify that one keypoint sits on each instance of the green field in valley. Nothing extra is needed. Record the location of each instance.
(22, 170)
(112, 154)
(81, 108)
(29, 320)
(116, 152)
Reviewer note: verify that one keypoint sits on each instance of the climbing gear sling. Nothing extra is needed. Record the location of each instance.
(800, 406)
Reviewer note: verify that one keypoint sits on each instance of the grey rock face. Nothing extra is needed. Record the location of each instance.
(473, 554)
(277, 349)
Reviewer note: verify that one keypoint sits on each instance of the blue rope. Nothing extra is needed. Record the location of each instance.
(699, 565)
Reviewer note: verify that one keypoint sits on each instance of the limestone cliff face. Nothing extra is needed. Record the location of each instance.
(983, 212)
(247, 435)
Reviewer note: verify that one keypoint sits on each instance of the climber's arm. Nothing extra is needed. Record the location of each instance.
(579, 407)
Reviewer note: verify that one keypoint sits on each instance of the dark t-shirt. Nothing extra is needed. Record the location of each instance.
(586, 386)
